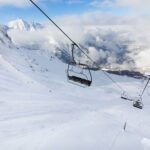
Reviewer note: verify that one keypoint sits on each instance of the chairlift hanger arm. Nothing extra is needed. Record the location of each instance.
(145, 87)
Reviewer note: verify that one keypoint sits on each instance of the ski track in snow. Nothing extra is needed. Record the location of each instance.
(40, 110)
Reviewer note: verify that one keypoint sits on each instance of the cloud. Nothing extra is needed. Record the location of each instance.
(18, 3)
(21, 3)
(74, 1)
(142, 5)
(114, 41)
(101, 4)
(134, 4)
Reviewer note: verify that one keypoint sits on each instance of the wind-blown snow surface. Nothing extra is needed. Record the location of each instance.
(40, 110)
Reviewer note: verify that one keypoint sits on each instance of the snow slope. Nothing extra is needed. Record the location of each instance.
(40, 110)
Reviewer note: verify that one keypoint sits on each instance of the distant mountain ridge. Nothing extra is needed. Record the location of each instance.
(22, 25)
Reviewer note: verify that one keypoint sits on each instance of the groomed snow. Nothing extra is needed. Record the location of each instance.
(40, 110)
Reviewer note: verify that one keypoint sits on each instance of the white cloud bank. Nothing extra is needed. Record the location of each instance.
(109, 40)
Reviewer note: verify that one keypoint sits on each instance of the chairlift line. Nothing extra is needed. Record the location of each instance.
(75, 44)
(85, 81)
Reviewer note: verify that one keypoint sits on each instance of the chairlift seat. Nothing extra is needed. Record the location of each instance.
(80, 80)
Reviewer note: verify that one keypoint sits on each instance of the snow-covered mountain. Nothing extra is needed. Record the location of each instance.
(22, 25)
(40, 110)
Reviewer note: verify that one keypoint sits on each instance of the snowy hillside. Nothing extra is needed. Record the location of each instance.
(40, 110)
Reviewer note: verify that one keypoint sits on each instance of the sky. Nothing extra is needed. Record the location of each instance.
(14, 9)
(54, 8)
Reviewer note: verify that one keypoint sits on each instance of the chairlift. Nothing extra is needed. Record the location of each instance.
(138, 104)
(137, 101)
(79, 78)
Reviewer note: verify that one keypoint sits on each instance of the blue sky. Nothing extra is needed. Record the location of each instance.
(60, 8)
(13, 9)
(53, 8)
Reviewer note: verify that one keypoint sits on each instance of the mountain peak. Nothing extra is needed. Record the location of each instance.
(22, 25)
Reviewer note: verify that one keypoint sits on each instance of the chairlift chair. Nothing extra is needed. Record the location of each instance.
(78, 77)
(138, 104)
